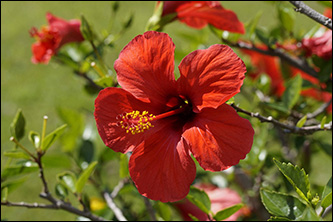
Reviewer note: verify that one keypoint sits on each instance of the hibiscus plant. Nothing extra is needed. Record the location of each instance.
(241, 130)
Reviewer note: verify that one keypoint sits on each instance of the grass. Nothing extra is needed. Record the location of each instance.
(40, 89)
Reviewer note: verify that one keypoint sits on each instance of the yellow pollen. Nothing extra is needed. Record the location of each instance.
(135, 122)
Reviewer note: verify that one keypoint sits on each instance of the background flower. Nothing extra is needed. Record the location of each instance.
(51, 38)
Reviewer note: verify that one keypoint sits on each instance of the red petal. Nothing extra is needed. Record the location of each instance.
(145, 67)
(210, 77)
(69, 31)
(219, 138)
(198, 14)
(110, 103)
(161, 167)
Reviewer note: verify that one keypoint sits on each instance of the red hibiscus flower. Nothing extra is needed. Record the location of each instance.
(197, 14)
(220, 199)
(163, 121)
(51, 38)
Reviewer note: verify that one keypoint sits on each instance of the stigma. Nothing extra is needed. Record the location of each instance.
(135, 122)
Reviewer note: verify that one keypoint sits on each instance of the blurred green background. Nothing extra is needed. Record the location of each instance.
(39, 89)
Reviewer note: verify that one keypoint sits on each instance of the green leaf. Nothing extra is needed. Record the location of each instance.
(21, 168)
(34, 138)
(327, 194)
(86, 30)
(301, 122)
(273, 218)
(282, 205)
(52, 137)
(68, 180)
(287, 17)
(17, 155)
(309, 215)
(200, 199)
(17, 127)
(322, 123)
(227, 212)
(252, 24)
(292, 92)
(104, 82)
(12, 184)
(4, 194)
(163, 210)
(123, 168)
(297, 177)
(84, 176)
(61, 191)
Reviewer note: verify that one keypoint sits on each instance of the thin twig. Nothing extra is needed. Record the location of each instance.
(321, 109)
(291, 60)
(288, 128)
(117, 212)
(29, 205)
(311, 13)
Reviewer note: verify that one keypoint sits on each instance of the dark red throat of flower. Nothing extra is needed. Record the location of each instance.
(137, 122)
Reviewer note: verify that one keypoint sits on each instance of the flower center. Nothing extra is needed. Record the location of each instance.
(137, 122)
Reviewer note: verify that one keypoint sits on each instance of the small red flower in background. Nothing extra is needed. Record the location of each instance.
(322, 45)
(197, 14)
(163, 121)
(220, 199)
(271, 66)
(51, 38)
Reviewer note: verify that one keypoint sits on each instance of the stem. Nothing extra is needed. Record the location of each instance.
(98, 57)
(43, 132)
(22, 147)
(311, 13)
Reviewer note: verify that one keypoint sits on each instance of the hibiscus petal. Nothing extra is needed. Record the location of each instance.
(145, 67)
(219, 138)
(213, 14)
(161, 167)
(110, 103)
(209, 77)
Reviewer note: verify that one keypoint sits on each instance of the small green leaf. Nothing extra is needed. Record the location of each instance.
(282, 205)
(86, 29)
(104, 82)
(4, 194)
(292, 92)
(287, 18)
(34, 138)
(297, 177)
(322, 123)
(123, 168)
(252, 24)
(52, 137)
(301, 122)
(327, 195)
(200, 199)
(227, 212)
(17, 155)
(61, 191)
(84, 176)
(163, 210)
(309, 215)
(12, 184)
(274, 218)
(20, 169)
(68, 180)
(17, 127)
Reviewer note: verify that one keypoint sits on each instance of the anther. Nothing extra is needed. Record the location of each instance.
(135, 122)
